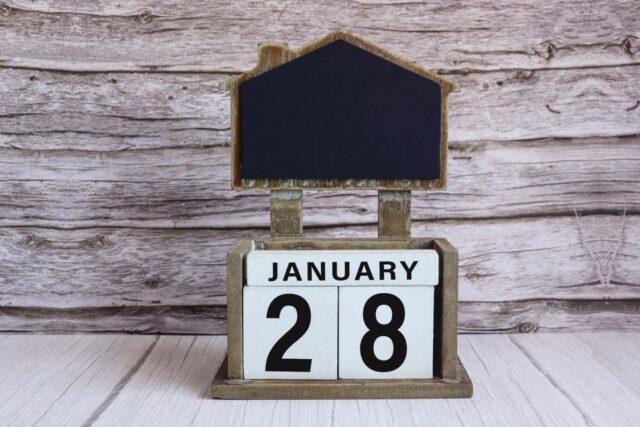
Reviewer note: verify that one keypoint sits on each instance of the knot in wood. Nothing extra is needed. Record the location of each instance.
(630, 45)
(471, 276)
(33, 241)
(527, 327)
(94, 242)
(525, 76)
(152, 282)
(5, 9)
(145, 17)
(546, 50)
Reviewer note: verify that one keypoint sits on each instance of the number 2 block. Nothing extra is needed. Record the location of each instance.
(386, 332)
(290, 332)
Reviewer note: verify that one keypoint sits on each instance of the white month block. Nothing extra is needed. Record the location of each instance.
(386, 332)
(290, 332)
(342, 267)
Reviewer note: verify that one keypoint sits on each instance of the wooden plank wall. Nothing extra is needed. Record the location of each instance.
(115, 208)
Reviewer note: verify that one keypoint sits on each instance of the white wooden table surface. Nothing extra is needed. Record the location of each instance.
(106, 380)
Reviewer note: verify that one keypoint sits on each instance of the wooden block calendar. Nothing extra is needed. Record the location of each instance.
(344, 342)
(340, 318)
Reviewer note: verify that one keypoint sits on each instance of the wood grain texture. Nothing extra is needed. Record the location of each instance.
(270, 389)
(394, 213)
(549, 315)
(189, 187)
(44, 110)
(525, 316)
(528, 396)
(222, 35)
(121, 266)
(285, 213)
(446, 313)
(235, 328)
(50, 110)
(60, 380)
(626, 346)
(544, 379)
(601, 397)
(131, 267)
(114, 157)
(158, 319)
(177, 366)
(112, 267)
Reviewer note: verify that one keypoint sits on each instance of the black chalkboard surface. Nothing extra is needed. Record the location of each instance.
(340, 112)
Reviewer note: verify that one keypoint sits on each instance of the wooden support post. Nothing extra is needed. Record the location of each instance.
(394, 213)
(447, 311)
(235, 281)
(286, 213)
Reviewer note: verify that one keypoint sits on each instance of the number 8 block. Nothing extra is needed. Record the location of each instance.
(385, 332)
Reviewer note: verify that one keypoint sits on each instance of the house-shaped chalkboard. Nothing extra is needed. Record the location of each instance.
(338, 113)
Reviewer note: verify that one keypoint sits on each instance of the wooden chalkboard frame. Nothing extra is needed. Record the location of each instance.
(271, 55)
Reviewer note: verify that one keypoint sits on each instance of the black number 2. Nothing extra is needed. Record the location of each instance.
(275, 361)
(377, 330)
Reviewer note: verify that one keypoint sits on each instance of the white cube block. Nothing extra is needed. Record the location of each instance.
(386, 332)
(290, 332)
(342, 267)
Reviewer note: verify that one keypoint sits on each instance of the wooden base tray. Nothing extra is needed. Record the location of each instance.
(436, 388)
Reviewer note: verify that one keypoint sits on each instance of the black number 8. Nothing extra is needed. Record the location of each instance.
(389, 330)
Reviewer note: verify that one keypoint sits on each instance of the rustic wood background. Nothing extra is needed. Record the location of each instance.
(115, 207)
